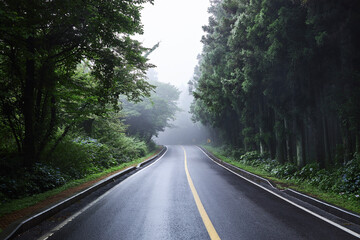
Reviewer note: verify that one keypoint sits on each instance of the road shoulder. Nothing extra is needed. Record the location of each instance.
(343, 218)
(73, 196)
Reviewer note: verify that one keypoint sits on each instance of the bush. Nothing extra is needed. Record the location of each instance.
(128, 148)
(151, 146)
(73, 158)
(250, 156)
(45, 177)
(36, 180)
(343, 180)
(308, 171)
(350, 178)
(284, 171)
(270, 164)
(99, 155)
(237, 153)
(253, 159)
(111, 132)
(326, 180)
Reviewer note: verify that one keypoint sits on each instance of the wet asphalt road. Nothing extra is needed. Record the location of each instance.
(157, 203)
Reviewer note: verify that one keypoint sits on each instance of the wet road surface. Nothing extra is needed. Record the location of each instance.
(158, 203)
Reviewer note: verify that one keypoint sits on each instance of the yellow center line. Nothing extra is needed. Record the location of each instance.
(209, 226)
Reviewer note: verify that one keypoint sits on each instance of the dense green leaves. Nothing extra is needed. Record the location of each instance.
(150, 116)
(41, 45)
(282, 77)
(341, 180)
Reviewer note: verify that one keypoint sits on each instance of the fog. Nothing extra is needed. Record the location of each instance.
(177, 25)
(183, 130)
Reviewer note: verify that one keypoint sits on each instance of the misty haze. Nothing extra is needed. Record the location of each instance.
(183, 131)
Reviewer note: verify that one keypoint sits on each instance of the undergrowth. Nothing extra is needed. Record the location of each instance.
(23, 202)
(74, 158)
(339, 185)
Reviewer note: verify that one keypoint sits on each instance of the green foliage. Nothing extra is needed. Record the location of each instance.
(111, 131)
(11, 205)
(308, 171)
(282, 171)
(39, 179)
(350, 182)
(75, 157)
(98, 155)
(63, 66)
(279, 77)
(147, 118)
(343, 180)
(338, 185)
(250, 157)
(72, 159)
(41, 45)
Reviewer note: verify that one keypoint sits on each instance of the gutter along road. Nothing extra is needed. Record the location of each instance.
(185, 195)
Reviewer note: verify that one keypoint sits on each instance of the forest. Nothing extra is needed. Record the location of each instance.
(280, 80)
(75, 94)
(277, 84)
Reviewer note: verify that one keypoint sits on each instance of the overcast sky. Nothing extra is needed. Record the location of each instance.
(177, 24)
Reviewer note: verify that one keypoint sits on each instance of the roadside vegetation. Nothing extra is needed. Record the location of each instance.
(69, 71)
(278, 83)
(338, 185)
(30, 199)
(74, 158)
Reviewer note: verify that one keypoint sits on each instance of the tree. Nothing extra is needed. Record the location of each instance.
(147, 118)
(280, 77)
(41, 44)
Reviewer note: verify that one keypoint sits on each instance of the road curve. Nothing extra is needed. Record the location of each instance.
(158, 203)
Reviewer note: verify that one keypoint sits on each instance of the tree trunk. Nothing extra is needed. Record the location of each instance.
(279, 135)
(319, 135)
(288, 142)
(28, 110)
(300, 144)
(328, 158)
(88, 126)
(346, 143)
(357, 148)
(261, 141)
(272, 140)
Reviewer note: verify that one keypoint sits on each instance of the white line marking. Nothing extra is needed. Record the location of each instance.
(72, 217)
(141, 170)
(329, 205)
(245, 171)
(292, 203)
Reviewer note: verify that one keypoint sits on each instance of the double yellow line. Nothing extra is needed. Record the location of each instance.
(208, 224)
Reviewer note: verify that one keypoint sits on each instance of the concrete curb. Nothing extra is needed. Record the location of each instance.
(148, 161)
(339, 212)
(39, 217)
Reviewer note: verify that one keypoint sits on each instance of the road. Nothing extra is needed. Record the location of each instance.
(185, 195)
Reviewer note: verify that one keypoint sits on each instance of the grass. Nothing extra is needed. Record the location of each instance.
(306, 188)
(22, 203)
